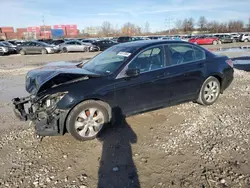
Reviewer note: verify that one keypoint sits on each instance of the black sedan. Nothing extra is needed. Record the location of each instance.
(104, 44)
(131, 78)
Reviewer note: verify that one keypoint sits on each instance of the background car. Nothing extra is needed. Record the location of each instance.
(76, 46)
(205, 40)
(104, 44)
(245, 37)
(3, 49)
(35, 47)
(12, 49)
(16, 42)
(128, 39)
(225, 38)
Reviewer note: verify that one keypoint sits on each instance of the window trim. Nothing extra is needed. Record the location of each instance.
(122, 73)
(170, 59)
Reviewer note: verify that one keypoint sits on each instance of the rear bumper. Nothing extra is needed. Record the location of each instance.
(48, 122)
(228, 78)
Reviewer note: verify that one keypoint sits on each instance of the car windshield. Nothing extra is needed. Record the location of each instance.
(109, 61)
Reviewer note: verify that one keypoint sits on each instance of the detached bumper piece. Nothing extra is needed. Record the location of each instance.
(48, 122)
(19, 107)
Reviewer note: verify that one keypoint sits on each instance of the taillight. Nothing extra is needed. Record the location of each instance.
(230, 63)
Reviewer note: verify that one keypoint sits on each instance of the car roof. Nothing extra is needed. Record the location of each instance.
(146, 43)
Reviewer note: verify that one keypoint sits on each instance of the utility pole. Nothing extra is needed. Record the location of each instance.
(168, 24)
(44, 28)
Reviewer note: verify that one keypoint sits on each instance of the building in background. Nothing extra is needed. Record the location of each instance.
(92, 30)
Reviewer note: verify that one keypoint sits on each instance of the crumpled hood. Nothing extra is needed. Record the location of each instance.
(54, 74)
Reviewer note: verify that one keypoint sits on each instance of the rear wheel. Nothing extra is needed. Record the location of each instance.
(210, 91)
(215, 42)
(22, 52)
(65, 50)
(87, 120)
(44, 51)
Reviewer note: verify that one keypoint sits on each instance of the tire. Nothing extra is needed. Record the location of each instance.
(44, 51)
(65, 50)
(245, 40)
(234, 41)
(219, 42)
(209, 92)
(87, 49)
(214, 42)
(1, 53)
(81, 119)
(22, 52)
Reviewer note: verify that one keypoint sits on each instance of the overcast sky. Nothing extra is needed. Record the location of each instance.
(24, 13)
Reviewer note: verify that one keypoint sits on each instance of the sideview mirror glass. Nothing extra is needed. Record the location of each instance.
(133, 72)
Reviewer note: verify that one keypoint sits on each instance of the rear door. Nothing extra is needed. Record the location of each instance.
(186, 71)
(31, 48)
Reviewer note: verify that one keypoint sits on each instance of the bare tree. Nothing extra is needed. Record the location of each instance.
(202, 23)
(235, 25)
(146, 28)
(106, 28)
(188, 25)
(179, 25)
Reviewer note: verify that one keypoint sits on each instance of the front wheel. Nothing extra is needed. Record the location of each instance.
(210, 91)
(87, 120)
(44, 51)
(22, 52)
(215, 42)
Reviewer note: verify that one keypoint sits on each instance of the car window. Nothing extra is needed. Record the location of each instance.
(149, 60)
(180, 54)
(78, 43)
(71, 42)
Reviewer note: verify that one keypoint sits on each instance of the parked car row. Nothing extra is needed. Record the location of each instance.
(48, 46)
(53, 46)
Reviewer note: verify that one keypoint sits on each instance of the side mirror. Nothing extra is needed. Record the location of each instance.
(133, 72)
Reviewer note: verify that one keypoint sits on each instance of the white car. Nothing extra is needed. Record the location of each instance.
(77, 46)
(245, 37)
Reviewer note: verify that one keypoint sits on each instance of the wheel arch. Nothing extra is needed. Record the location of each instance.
(101, 102)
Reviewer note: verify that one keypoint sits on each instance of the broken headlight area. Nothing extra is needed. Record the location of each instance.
(42, 111)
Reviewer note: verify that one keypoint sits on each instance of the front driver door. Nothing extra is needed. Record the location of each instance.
(147, 90)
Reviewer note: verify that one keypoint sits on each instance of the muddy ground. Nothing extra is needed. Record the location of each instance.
(182, 146)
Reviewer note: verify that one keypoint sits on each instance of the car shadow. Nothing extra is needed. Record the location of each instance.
(117, 168)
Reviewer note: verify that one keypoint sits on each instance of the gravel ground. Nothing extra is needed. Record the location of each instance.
(181, 146)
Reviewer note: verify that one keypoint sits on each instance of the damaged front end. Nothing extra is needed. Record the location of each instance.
(43, 112)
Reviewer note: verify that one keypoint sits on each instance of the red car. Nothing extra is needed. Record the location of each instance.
(205, 40)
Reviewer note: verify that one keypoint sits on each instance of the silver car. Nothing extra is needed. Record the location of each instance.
(73, 46)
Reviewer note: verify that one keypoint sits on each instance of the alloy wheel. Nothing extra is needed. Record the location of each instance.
(211, 91)
(89, 122)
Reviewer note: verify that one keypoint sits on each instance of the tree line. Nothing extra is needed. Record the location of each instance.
(185, 26)
(205, 26)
